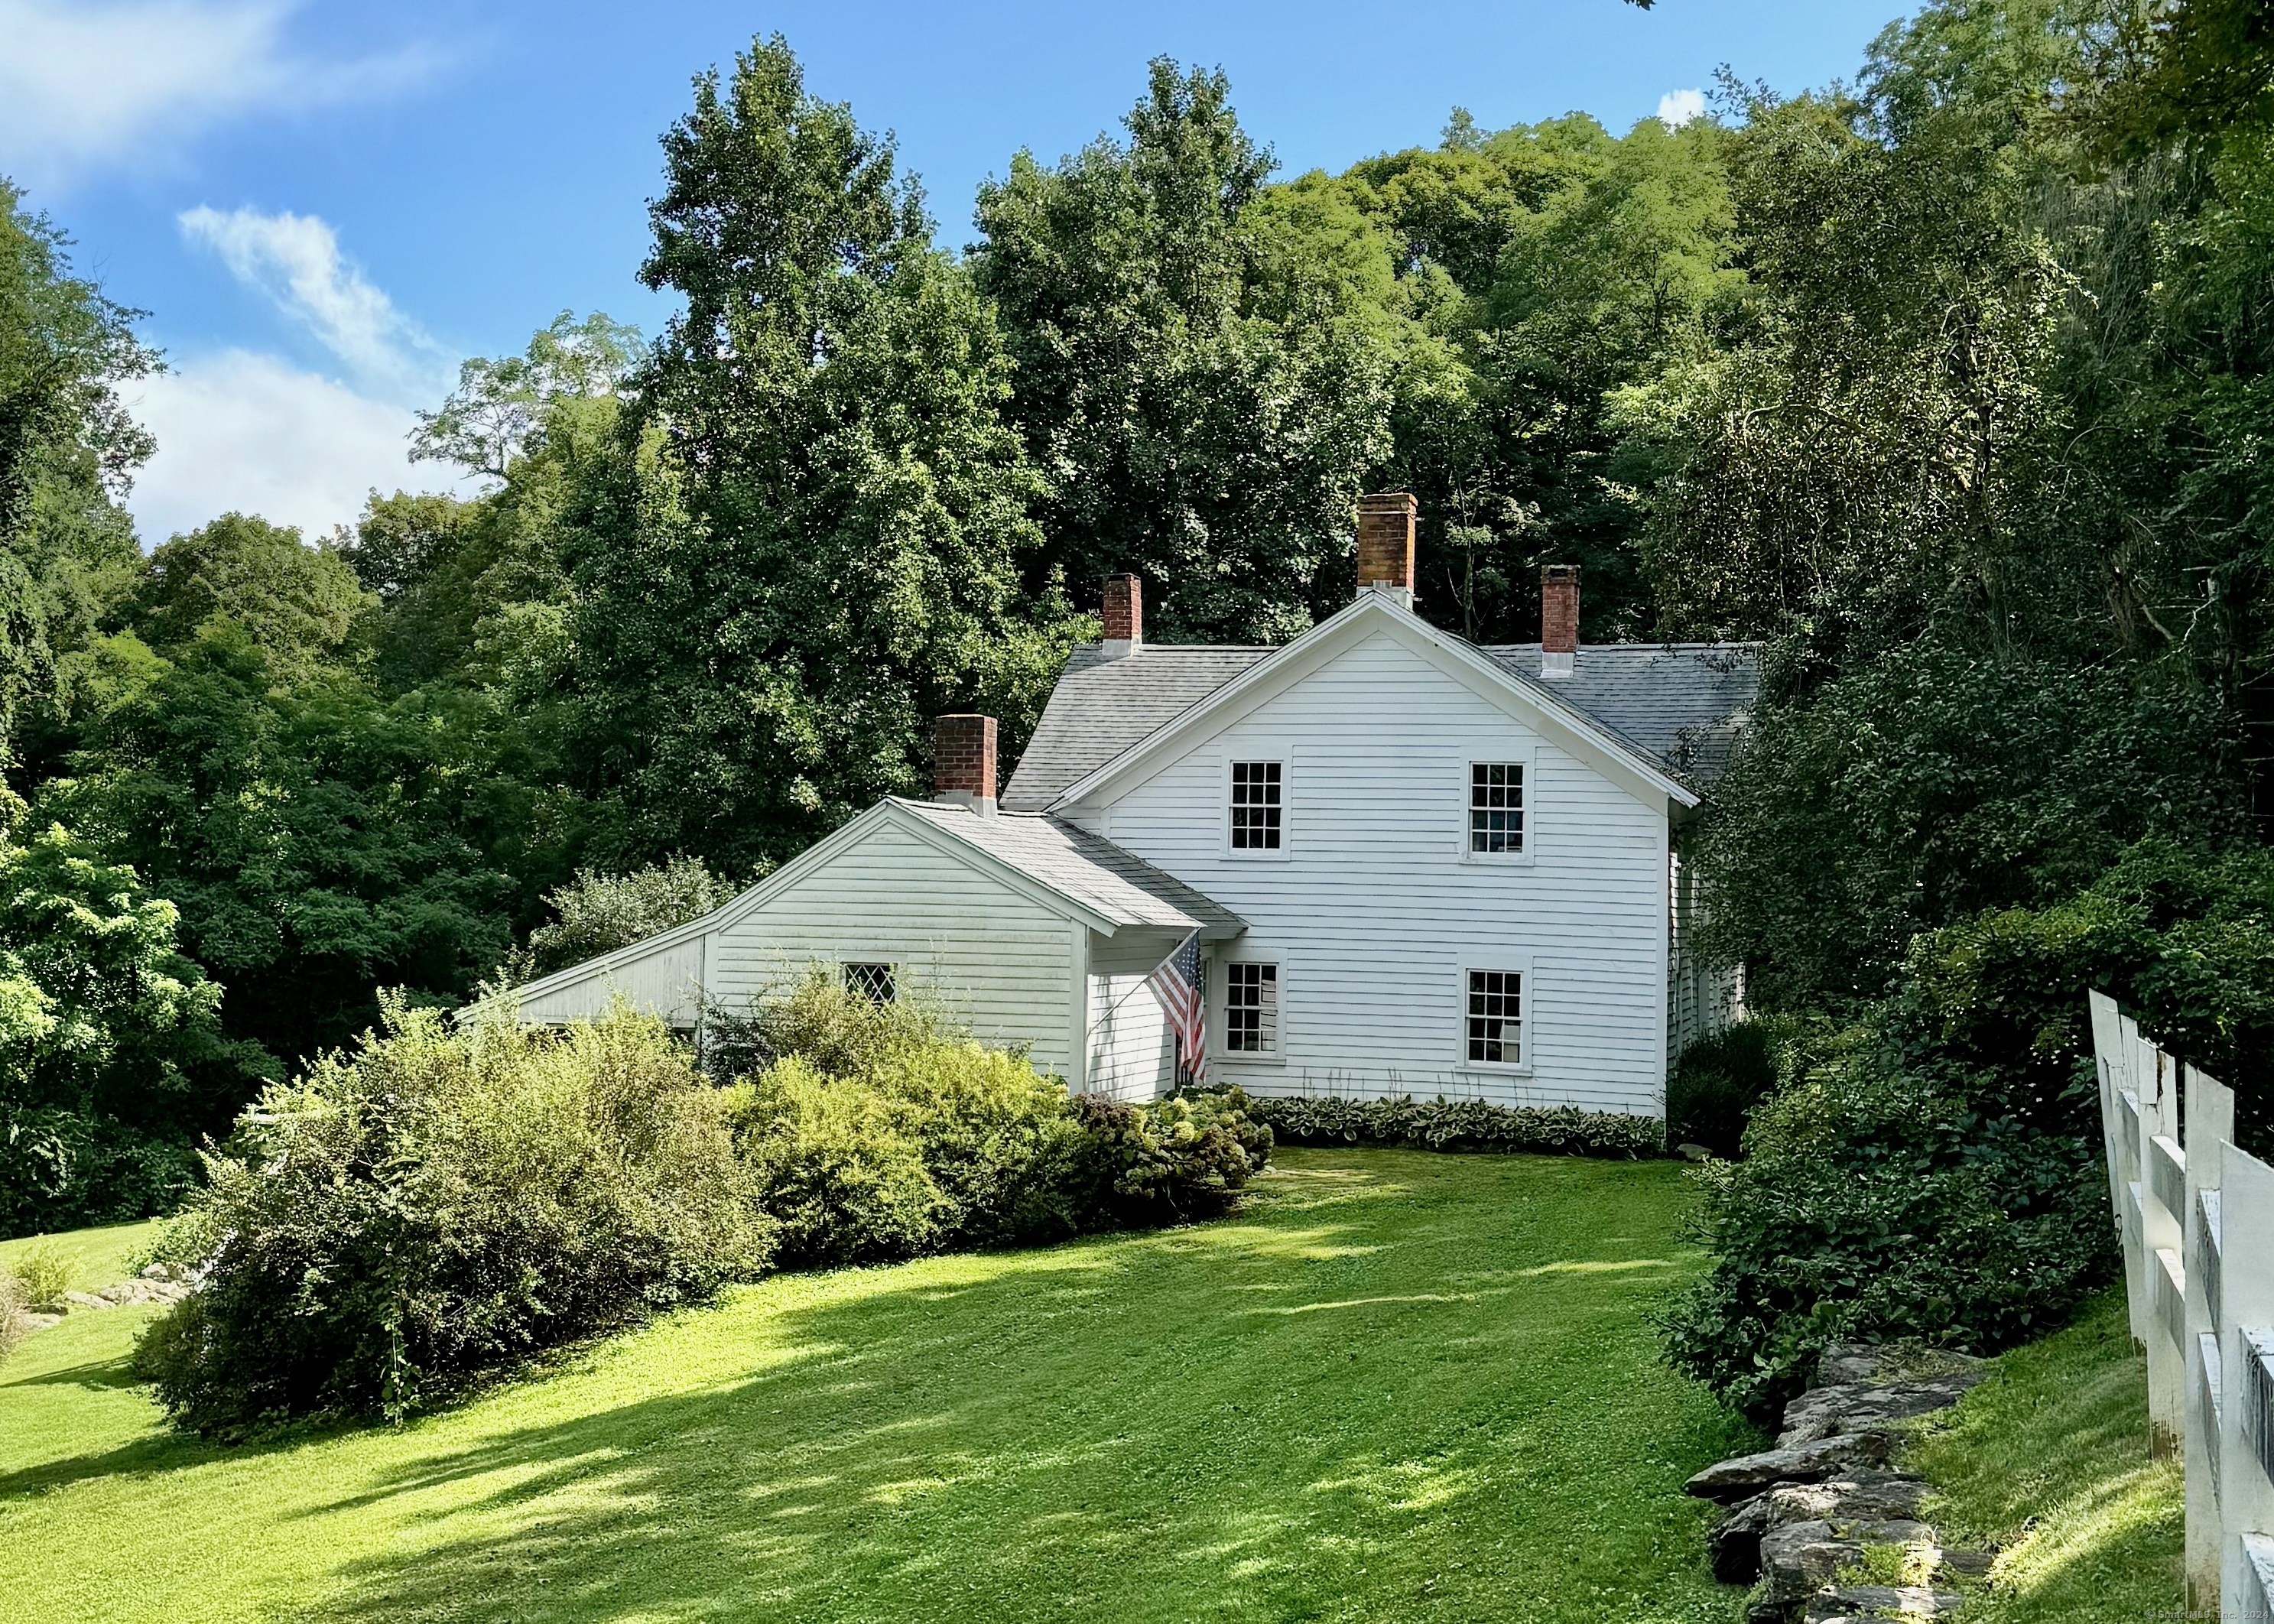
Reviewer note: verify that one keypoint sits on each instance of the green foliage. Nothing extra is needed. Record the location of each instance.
(44, 1271)
(806, 541)
(1716, 1083)
(1458, 1124)
(1175, 1160)
(295, 603)
(15, 1314)
(444, 1202)
(1204, 395)
(500, 405)
(1877, 1202)
(599, 912)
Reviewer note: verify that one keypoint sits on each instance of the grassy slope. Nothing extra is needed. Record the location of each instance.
(2049, 1459)
(1398, 1386)
(98, 1256)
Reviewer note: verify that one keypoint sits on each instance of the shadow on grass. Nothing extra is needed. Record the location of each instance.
(1111, 1430)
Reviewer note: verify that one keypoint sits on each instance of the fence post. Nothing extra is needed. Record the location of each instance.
(2246, 1336)
(2161, 1176)
(2210, 1124)
(2123, 1135)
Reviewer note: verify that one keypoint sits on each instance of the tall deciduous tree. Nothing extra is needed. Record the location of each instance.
(810, 540)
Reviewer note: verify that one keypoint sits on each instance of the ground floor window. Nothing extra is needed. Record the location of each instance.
(1495, 1017)
(1250, 1009)
(870, 981)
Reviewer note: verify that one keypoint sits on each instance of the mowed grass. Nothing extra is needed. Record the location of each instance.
(2049, 1461)
(1396, 1385)
(97, 1257)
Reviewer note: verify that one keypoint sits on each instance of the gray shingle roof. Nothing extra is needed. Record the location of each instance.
(1100, 707)
(1680, 705)
(1086, 868)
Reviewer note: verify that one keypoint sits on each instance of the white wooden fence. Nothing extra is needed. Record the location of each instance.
(2197, 1215)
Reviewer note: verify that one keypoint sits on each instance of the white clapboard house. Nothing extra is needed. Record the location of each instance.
(1412, 864)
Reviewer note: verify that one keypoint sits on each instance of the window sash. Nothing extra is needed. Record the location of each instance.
(1257, 803)
(1495, 1017)
(1495, 808)
(1251, 1008)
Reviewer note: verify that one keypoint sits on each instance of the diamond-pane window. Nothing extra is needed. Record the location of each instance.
(1495, 807)
(870, 981)
(1255, 806)
(1495, 1017)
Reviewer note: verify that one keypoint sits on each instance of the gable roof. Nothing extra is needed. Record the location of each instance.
(1083, 867)
(1671, 708)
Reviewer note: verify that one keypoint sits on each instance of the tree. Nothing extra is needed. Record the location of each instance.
(1204, 409)
(808, 541)
(299, 603)
(499, 404)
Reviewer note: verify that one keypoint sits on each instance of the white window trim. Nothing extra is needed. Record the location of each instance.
(1521, 963)
(1521, 755)
(1286, 758)
(1220, 1049)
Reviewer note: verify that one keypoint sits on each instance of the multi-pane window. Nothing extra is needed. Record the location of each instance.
(1497, 807)
(1255, 806)
(870, 981)
(1496, 1016)
(1250, 1009)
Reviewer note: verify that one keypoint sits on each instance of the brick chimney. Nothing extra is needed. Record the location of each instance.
(1559, 619)
(1385, 543)
(963, 763)
(1124, 616)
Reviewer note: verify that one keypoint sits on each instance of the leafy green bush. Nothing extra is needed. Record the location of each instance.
(1178, 1159)
(1876, 1202)
(15, 1314)
(1459, 1124)
(1716, 1084)
(441, 1202)
(880, 1130)
(45, 1272)
(61, 1169)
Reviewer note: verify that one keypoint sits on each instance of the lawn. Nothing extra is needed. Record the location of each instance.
(1397, 1386)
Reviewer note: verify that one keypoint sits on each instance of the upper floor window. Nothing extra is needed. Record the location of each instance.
(1495, 808)
(1495, 1017)
(1256, 806)
(870, 981)
(1250, 1009)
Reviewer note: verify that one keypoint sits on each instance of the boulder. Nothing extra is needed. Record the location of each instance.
(1856, 1406)
(1850, 1496)
(1883, 1601)
(1744, 1476)
(1734, 1544)
(1801, 1557)
(1842, 1363)
(142, 1290)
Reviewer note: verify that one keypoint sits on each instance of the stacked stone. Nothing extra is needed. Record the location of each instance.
(1802, 1512)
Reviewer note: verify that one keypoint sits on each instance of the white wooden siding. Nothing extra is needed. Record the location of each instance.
(1132, 1050)
(664, 980)
(1372, 910)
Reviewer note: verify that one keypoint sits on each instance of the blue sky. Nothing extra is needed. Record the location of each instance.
(324, 205)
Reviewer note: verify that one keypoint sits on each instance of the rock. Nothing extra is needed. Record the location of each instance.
(1693, 1152)
(1856, 1406)
(1881, 1495)
(86, 1299)
(1734, 1544)
(40, 1322)
(1842, 1363)
(157, 1271)
(144, 1291)
(1801, 1557)
(1973, 1564)
(1747, 1475)
(1883, 1601)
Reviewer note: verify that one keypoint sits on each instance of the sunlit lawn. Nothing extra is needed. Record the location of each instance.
(1396, 1387)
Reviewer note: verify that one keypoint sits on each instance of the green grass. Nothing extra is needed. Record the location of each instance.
(1397, 1385)
(98, 1257)
(2049, 1461)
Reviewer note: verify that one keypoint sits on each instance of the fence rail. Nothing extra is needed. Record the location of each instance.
(2196, 1213)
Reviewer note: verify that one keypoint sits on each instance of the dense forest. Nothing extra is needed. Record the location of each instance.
(1949, 384)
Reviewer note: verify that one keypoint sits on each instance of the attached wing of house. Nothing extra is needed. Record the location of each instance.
(1413, 864)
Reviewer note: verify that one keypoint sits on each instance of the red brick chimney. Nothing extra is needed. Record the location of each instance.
(963, 762)
(1125, 615)
(1385, 542)
(1559, 619)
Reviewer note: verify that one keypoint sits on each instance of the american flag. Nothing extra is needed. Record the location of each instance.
(1176, 983)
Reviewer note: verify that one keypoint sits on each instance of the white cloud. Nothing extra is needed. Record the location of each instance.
(295, 261)
(89, 83)
(254, 435)
(1677, 108)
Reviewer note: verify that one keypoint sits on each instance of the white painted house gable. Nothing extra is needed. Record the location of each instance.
(1412, 865)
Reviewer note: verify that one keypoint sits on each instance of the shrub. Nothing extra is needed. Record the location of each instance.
(1459, 1124)
(1716, 1084)
(15, 1314)
(45, 1272)
(1875, 1203)
(444, 1202)
(1176, 1159)
(599, 912)
(61, 1169)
